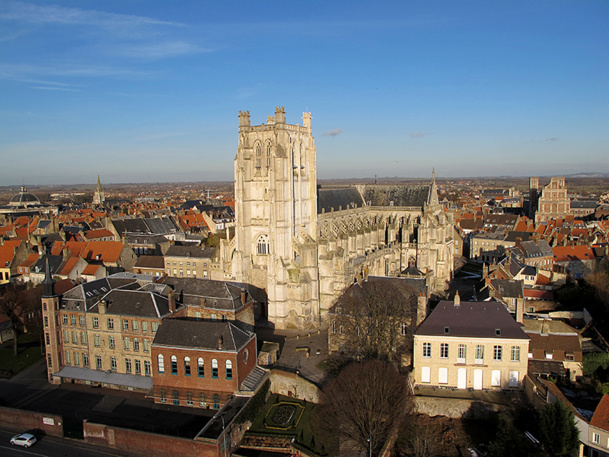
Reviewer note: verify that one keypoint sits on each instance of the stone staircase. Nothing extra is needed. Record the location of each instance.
(253, 380)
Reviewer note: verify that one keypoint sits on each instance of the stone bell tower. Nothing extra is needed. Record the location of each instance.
(276, 216)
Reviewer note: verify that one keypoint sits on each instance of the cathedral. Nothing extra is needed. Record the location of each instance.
(304, 244)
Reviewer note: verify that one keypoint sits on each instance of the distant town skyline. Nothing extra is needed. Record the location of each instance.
(150, 91)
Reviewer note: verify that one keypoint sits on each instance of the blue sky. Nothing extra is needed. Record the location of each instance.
(146, 91)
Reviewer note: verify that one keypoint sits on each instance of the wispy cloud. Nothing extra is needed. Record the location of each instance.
(65, 89)
(160, 50)
(417, 134)
(24, 73)
(335, 132)
(553, 139)
(40, 14)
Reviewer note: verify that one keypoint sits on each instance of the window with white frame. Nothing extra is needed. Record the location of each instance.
(461, 353)
(444, 350)
(515, 354)
(426, 350)
(497, 353)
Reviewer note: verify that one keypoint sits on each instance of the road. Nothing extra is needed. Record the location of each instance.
(50, 446)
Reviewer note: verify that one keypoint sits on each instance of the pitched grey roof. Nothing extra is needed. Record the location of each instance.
(217, 294)
(513, 235)
(150, 261)
(328, 199)
(582, 204)
(472, 319)
(508, 288)
(196, 334)
(55, 262)
(135, 303)
(130, 225)
(196, 252)
(161, 225)
(539, 248)
(400, 195)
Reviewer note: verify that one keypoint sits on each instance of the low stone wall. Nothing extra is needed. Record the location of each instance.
(292, 385)
(147, 444)
(455, 407)
(20, 420)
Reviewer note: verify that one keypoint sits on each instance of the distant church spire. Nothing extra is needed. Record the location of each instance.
(98, 195)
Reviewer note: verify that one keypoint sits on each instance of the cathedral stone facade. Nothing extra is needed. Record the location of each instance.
(305, 244)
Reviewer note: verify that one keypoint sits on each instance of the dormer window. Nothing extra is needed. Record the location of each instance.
(497, 332)
(446, 330)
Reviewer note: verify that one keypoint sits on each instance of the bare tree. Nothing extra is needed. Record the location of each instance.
(373, 319)
(361, 405)
(12, 305)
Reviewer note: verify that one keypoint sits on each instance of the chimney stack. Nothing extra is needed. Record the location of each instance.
(520, 309)
(172, 302)
(457, 299)
(243, 297)
(102, 307)
(220, 342)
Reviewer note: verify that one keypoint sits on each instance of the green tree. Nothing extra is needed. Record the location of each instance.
(558, 432)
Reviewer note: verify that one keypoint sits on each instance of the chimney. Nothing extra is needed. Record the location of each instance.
(102, 307)
(220, 342)
(457, 299)
(520, 309)
(359, 278)
(366, 271)
(172, 302)
(243, 296)
(421, 308)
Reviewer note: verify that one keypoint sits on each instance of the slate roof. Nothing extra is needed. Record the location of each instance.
(508, 288)
(328, 199)
(512, 235)
(150, 261)
(135, 303)
(196, 334)
(55, 262)
(105, 377)
(400, 195)
(217, 294)
(539, 248)
(583, 204)
(472, 320)
(130, 225)
(196, 252)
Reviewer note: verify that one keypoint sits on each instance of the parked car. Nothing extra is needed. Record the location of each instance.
(25, 440)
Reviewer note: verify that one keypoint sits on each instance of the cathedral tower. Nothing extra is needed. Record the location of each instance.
(276, 216)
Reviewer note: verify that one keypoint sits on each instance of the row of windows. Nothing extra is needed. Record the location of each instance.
(74, 334)
(200, 367)
(496, 377)
(126, 343)
(479, 352)
(131, 366)
(175, 396)
(194, 264)
(181, 273)
(134, 327)
(73, 320)
(341, 330)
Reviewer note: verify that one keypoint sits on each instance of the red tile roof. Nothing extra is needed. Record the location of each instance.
(601, 414)
(108, 251)
(569, 253)
(7, 252)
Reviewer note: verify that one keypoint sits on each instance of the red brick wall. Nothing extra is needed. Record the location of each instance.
(20, 420)
(147, 444)
(244, 368)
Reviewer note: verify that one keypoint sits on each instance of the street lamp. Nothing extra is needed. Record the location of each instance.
(370, 445)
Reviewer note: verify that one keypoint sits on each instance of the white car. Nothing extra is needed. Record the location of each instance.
(25, 440)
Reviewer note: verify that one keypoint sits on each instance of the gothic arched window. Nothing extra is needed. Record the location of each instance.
(268, 154)
(258, 155)
(263, 247)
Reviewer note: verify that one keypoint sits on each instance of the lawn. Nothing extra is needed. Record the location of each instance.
(285, 417)
(28, 353)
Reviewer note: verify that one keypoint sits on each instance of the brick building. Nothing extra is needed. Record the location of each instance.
(201, 363)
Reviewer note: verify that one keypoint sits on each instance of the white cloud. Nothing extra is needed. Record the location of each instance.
(41, 14)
